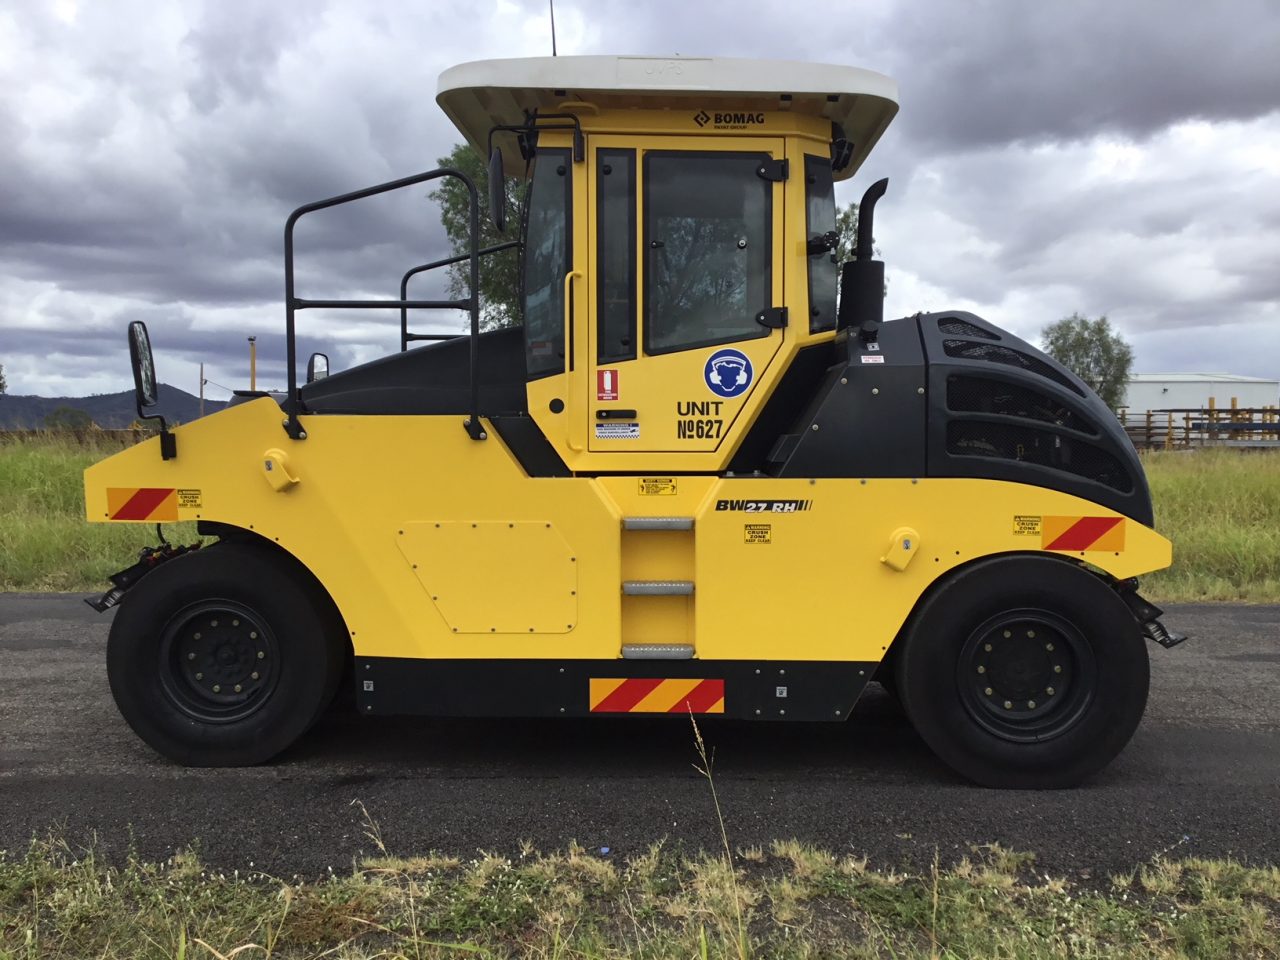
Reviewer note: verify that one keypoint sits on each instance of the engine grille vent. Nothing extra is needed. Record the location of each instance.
(1004, 441)
(995, 353)
(955, 327)
(980, 395)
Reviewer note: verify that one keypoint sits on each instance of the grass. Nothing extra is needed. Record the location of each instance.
(793, 901)
(46, 542)
(1220, 507)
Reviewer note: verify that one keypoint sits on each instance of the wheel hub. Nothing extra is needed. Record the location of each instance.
(218, 661)
(1025, 675)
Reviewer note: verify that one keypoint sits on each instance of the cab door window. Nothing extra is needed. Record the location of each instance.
(616, 255)
(707, 270)
(547, 258)
(820, 218)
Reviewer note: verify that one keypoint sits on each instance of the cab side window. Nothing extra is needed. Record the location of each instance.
(547, 258)
(616, 256)
(820, 214)
(707, 240)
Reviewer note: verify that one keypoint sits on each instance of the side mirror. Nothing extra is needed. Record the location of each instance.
(497, 191)
(144, 385)
(144, 368)
(317, 367)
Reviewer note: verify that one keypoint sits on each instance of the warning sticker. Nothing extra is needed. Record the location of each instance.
(189, 499)
(657, 486)
(868, 358)
(615, 430)
(1026, 526)
(757, 533)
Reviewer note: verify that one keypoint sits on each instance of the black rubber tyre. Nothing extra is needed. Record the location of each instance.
(1024, 672)
(223, 657)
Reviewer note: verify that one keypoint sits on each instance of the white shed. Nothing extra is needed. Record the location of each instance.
(1192, 391)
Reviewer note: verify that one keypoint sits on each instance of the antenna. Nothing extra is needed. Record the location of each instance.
(552, 4)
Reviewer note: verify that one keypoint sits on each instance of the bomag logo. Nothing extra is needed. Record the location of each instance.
(727, 120)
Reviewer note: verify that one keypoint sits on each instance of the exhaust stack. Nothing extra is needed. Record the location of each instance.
(862, 278)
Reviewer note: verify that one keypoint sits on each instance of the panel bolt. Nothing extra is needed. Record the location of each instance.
(757, 713)
(782, 713)
(844, 381)
(920, 390)
(875, 391)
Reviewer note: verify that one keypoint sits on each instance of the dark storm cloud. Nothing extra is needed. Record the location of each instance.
(984, 73)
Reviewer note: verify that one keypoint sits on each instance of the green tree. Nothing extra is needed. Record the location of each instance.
(1094, 351)
(847, 230)
(499, 272)
(67, 418)
(4, 384)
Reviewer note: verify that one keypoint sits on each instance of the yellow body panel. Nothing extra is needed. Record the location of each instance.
(783, 569)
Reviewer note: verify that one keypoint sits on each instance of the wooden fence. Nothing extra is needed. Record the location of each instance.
(1183, 428)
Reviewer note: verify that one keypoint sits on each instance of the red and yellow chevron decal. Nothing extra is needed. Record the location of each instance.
(656, 695)
(1082, 533)
(158, 504)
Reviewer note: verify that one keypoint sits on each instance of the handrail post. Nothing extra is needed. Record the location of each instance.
(475, 430)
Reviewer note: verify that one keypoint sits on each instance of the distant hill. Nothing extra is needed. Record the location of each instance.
(107, 410)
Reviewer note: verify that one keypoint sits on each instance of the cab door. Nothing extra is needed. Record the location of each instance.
(685, 288)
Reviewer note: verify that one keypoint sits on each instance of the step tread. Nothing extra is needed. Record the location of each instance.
(657, 523)
(657, 651)
(657, 588)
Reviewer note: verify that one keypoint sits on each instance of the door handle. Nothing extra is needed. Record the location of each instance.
(615, 414)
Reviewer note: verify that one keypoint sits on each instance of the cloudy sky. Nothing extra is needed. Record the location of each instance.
(1093, 156)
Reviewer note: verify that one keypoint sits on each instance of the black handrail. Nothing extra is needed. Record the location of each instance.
(293, 401)
(405, 335)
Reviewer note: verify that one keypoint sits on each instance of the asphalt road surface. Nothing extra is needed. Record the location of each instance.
(1200, 778)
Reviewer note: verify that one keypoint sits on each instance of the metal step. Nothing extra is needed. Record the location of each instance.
(657, 588)
(657, 651)
(657, 523)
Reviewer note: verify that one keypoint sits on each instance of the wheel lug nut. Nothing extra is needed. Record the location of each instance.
(238, 690)
(217, 688)
(196, 636)
(1031, 634)
(1056, 668)
(199, 676)
(1031, 704)
(981, 669)
(1008, 705)
(261, 655)
(1048, 646)
(986, 647)
(191, 656)
(254, 676)
(988, 691)
(1007, 634)
(213, 623)
(1049, 691)
(235, 623)
(253, 634)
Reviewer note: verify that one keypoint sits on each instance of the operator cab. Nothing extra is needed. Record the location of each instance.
(678, 245)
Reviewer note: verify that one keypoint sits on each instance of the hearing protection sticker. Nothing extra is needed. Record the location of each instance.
(728, 373)
(657, 486)
(757, 533)
(617, 430)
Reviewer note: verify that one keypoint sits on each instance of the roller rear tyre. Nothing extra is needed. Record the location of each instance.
(224, 657)
(1024, 672)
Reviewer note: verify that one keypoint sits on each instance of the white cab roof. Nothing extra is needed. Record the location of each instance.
(478, 95)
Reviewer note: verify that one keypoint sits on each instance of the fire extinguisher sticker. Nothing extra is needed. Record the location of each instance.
(606, 384)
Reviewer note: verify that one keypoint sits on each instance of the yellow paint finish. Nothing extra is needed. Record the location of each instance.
(456, 561)
(818, 591)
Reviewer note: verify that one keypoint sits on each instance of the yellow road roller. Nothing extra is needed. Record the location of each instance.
(703, 476)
